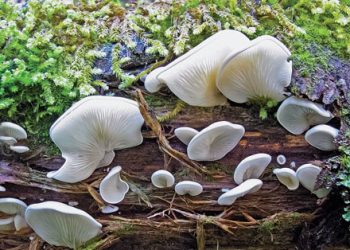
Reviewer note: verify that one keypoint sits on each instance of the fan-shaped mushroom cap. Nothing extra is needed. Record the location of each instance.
(15, 207)
(307, 175)
(2, 189)
(259, 69)
(109, 209)
(192, 76)
(8, 140)
(249, 186)
(287, 177)
(322, 137)
(251, 167)
(112, 187)
(185, 134)
(89, 131)
(215, 141)
(19, 149)
(188, 187)
(296, 115)
(61, 225)
(162, 179)
(12, 130)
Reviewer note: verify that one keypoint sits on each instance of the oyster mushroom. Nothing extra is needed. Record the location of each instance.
(322, 137)
(162, 179)
(192, 76)
(287, 177)
(8, 140)
(296, 115)
(307, 175)
(258, 70)
(15, 209)
(188, 187)
(61, 225)
(247, 187)
(12, 130)
(112, 188)
(215, 141)
(251, 167)
(185, 134)
(89, 131)
(19, 149)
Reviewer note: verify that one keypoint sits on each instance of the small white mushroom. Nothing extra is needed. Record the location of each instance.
(162, 179)
(12, 130)
(112, 188)
(19, 149)
(15, 208)
(215, 141)
(192, 76)
(109, 209)
(19, 222)
(247, 187)
(297, 115)
(188, 187)
(251, 167)
(307, 175)
(322, 137)
(8, 140)
(287, 177)
(281, 159)
(2, 189)
(185, 134)
(7, 224)
(258, 69)
(89, 131)
(61, 225)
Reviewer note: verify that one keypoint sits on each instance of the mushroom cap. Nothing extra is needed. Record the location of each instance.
(19, 149)
(287, 177)
(2, 189)
(89, 131)
(7, 224)
(162, 179)
(296, 115)
(247, 187)
(188, 187)
(251, 167)
(185, 134)
(215, 141)
(259, 69)
(19, 222)
(12, 130)
(322, 137)
(192, 76)
(307, 175)
(61, 225)
(8, 140)
(12, 206)
(112, 187)
(108, 209)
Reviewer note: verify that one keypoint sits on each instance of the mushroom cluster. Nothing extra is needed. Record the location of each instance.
(10, 133)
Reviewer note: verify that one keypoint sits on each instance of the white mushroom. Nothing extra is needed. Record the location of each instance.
(258, 70)
(188, 187)
(162, 179)
(251, 167)
(109, 209)
(185, 134)
(322, 137)
(15, 209)
(12, 130)
(307, 175)
(247, 187)
(90, 130)
(19, 149)
(215, 141)
(61, 225)
(287, 177)
(2, 189)
(8, 140)
(297, 115)
(192, 76)
(112, 188)
(281, 159)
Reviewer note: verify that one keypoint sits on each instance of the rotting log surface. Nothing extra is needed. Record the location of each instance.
(151, 218)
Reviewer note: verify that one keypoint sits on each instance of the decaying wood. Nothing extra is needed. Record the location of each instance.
(150, 218)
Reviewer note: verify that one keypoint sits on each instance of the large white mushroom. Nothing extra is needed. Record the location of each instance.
(258, 70)
(61, 225)
(287, 177)
(251, 167)
(296, 115)
(322, 137)
(215, 141)
(247, 187)
(307, 175)
(192, 76)
(89, 131)
(112, 188)
(15, 209)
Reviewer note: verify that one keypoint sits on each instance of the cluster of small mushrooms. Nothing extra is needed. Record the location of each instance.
(9, 134)
(226, 65)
